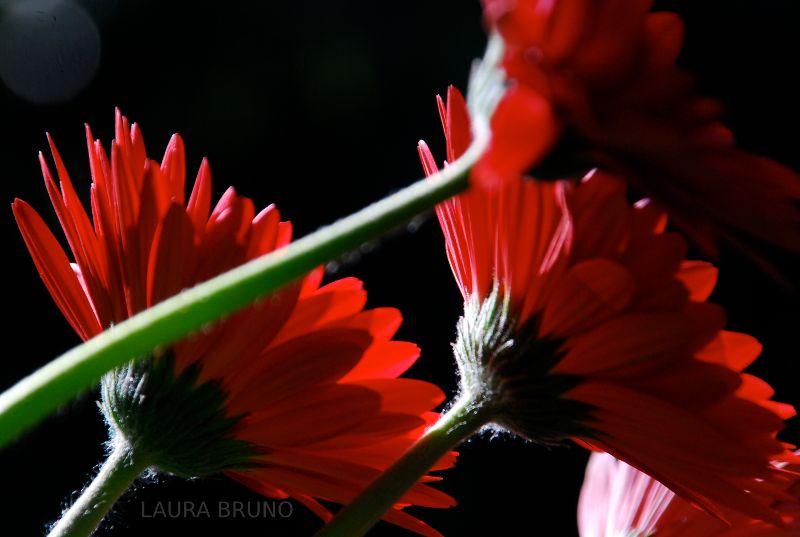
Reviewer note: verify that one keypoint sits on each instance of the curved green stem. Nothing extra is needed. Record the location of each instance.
(459, 423)
(119, 471)
(35, 396)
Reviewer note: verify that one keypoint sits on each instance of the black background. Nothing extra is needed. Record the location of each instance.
(317, 106)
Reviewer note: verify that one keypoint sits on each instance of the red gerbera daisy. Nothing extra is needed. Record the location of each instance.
(295, 396)
(618, 500)
(583, 320)
(608, 70)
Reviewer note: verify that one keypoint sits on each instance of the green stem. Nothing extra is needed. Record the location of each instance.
(459, 423)
(35, 396)
(119, 471)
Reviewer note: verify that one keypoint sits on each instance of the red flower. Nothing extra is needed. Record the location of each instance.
(583, 320)
(301, 389)
(618, 500)
(608, 70)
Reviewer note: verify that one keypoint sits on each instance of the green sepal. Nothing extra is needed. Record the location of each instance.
(508, 367)
(175, 421)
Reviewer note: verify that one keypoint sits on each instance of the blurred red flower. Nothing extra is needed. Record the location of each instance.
(308, 378)
(618, 500)
(607, 70)
(607, 338)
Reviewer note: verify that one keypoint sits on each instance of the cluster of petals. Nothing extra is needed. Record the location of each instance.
(648, 355)
(312, 375)
(605, 73)
(618, 500)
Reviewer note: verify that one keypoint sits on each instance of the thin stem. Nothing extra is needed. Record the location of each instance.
(35, 396)
(459, 423)
(119, 471)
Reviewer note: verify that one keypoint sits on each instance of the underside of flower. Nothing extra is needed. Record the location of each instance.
(613, 343)
(296, 395)
(507, 368)
(173, 420)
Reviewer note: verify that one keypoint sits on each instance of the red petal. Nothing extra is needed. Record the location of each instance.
(524, 128)
(310, 416)
(80, 236)
(699, 277)
(236, 344)
(314, 506)
(138, 153)
(320, 357)
(312, 282)
(639, 342)
(55, 271)
(426, 157)
(173, 166)
(382, 323)
(388, 359)
(200, 200)
(591, 292)
(333, 302)
(260, 486)
(264, 233)
(456, 123)
(370, 432)
(731, 349)
(665, 33)
(357, 474)
(171, 256)
(407, 396)
(601, 217)
(404, 520)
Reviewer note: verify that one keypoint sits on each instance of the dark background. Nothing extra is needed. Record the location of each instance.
(317, 106)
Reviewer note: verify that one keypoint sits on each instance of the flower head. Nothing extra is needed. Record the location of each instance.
(583, 320)
(607, 70)
(295, 396)
(620, 501)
